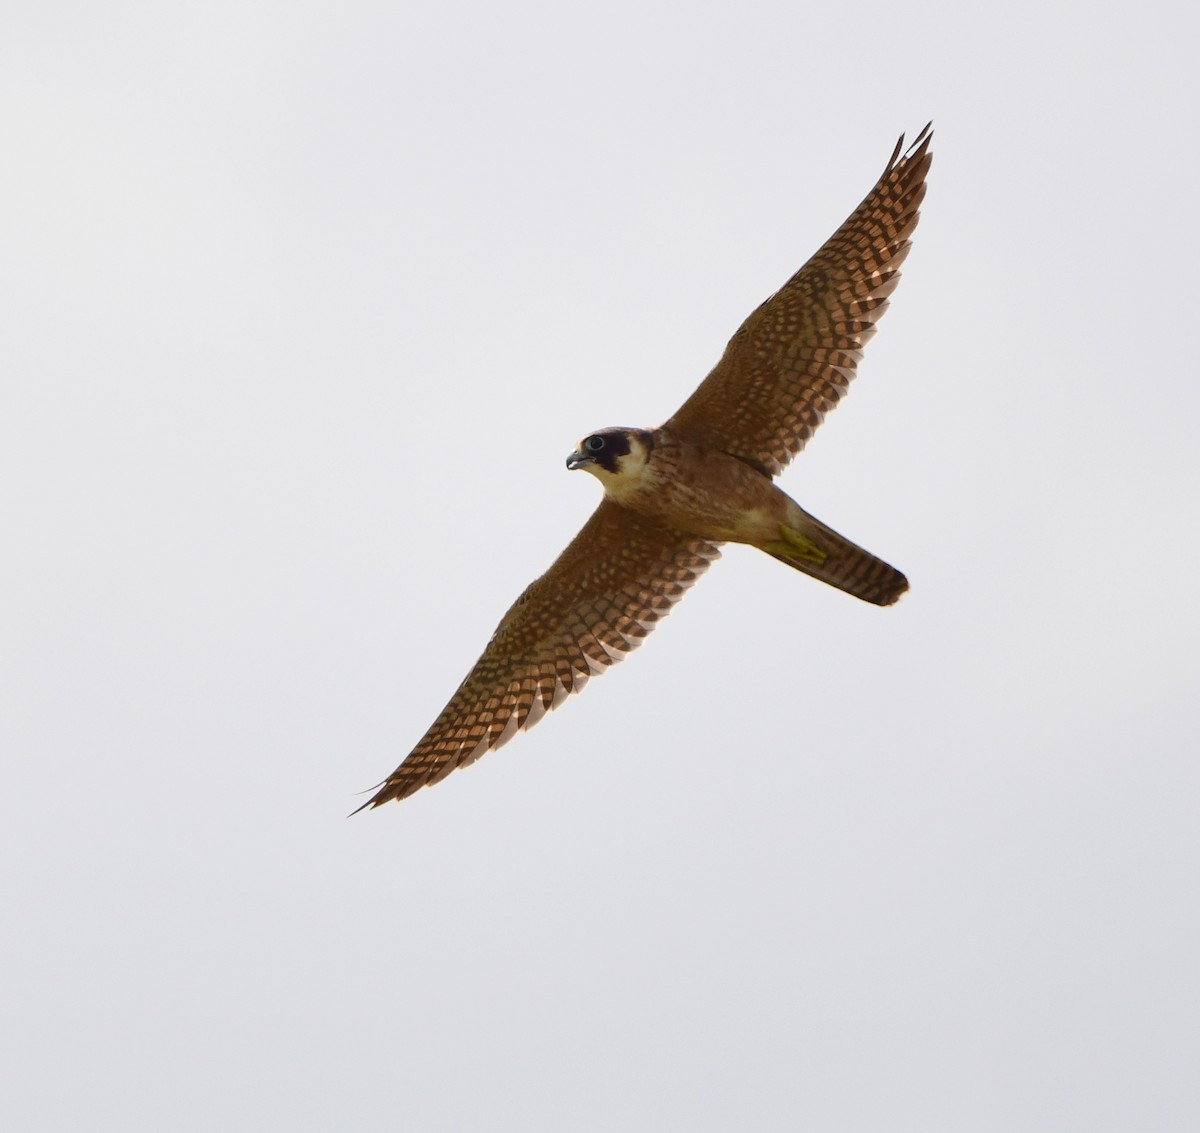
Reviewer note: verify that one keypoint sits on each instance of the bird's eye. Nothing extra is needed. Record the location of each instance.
(594, 444)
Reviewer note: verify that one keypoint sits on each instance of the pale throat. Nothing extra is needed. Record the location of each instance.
(636, 478)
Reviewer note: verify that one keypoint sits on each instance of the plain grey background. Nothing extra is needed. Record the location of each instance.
(302, 306)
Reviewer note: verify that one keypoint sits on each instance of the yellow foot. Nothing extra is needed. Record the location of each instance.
(796, 545)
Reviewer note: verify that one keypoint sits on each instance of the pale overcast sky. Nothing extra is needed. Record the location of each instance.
(302, 307)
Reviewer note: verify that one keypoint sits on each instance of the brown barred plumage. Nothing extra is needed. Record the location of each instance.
(792, 359)
(598, 601)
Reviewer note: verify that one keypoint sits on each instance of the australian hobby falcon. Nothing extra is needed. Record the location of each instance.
(674, 494)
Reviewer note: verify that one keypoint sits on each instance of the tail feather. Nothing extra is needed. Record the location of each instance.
(808, 545)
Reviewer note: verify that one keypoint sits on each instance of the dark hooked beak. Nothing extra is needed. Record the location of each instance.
(578, 459)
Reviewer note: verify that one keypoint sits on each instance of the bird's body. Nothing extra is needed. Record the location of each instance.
(674, 494)
(691, 488)
(721, 498)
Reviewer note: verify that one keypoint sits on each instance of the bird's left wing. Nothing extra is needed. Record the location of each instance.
(603, 594)
(792, 359)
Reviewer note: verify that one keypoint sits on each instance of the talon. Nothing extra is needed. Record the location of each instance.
(796, 542)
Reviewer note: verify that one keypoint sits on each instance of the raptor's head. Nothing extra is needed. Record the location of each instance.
(613, 454)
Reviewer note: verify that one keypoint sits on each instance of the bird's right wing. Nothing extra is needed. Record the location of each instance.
(792, 359)
(601, 597)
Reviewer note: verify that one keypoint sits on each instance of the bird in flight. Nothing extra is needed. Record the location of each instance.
(674, 494)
